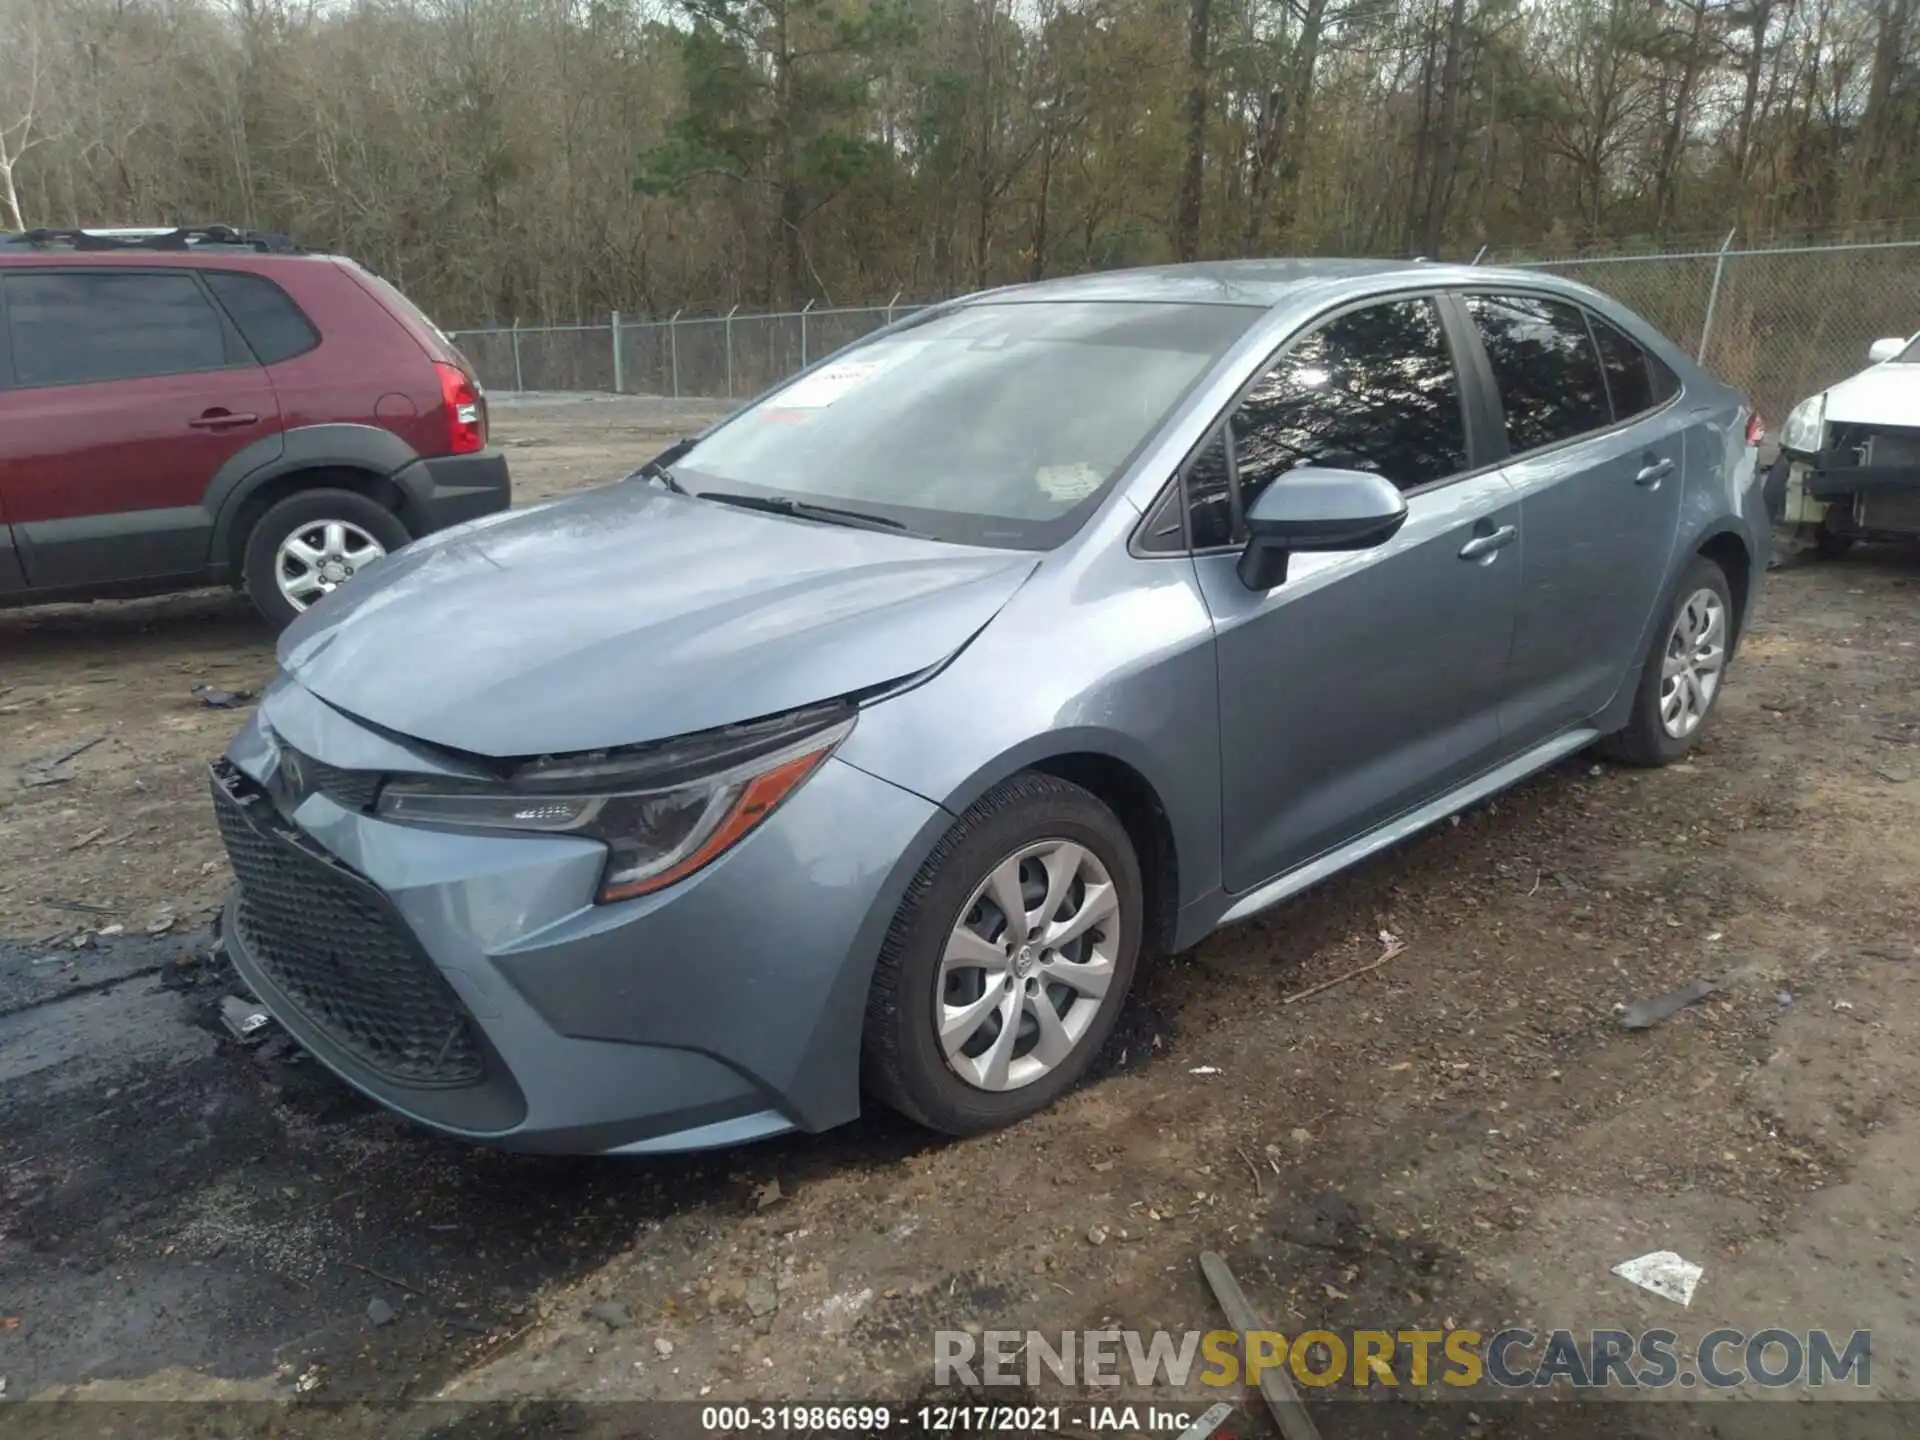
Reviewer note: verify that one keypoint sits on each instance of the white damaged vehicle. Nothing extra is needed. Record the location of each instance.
(1849, 466)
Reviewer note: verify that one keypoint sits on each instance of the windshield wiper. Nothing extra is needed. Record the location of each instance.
(806, 510)
(660, 467)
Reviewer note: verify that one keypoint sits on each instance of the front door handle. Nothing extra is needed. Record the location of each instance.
(1482, 546)
(222, 420)
(1652, 475)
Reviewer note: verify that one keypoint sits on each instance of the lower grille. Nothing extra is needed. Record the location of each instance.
(335, 946)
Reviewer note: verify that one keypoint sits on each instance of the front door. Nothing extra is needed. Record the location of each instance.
(1598, 443)
(1366, 682)
(130, 390)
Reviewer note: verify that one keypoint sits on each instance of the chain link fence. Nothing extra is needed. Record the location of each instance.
(707, 357)
(1781, 324)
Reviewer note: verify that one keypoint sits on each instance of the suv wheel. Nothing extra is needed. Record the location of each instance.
(310, 544)
(1008, 962)
(1682, 676)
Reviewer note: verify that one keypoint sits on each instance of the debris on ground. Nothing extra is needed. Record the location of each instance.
(1097, 1234)
(1210, 1420)
(217, 699)
(244, 1019)
(1664, 1273)
(380, 1312)
(162, 922)
(1206, 1070)
(1645, 1014)
(663, 1346)
(57, 769)
(610, 1314)
(1395, 946)
(768, 1194)
(1283, 1401)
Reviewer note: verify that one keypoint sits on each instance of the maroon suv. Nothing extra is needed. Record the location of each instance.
(206, 406)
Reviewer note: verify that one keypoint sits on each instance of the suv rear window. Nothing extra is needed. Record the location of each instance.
(70, 329)
(273, 326)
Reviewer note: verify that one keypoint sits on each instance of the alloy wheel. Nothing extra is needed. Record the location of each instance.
(1027, 965)
(1695, 657)
(320, 557)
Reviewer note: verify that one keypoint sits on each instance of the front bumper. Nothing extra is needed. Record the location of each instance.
(1836, 492)
(446, 490)
(726, 1008)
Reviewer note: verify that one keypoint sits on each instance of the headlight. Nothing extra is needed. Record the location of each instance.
(1804, 424)
(662, 812)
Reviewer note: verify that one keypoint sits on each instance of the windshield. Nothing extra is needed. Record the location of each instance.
(999, 424)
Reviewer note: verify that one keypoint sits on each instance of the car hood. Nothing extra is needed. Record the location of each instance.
(1885, 395)
(628, 614)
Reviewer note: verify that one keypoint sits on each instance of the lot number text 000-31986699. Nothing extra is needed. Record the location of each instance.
(881, 1419)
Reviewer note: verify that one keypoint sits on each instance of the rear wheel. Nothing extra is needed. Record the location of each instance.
(1830, 545)
(1682, 676)
(1009, 959)
(310, 544)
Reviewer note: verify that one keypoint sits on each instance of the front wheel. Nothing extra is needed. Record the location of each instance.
(1008, 961)
(310, 544)
(1682, 676)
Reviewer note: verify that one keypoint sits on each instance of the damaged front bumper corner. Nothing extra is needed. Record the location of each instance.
(1865, 485)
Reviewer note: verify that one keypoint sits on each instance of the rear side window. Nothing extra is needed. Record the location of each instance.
(1373, 389)
(69, 328)
(274, 327)
(1637, 381)
(1545, 366)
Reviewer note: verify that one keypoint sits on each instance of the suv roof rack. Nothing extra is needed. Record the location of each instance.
(177, 238)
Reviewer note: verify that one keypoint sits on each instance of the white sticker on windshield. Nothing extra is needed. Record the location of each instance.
(1068, 482)
(823, 387)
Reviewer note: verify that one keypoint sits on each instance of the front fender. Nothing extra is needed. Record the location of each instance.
(1114, 659)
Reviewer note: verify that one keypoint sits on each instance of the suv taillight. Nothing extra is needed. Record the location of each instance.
(466, 411)
(1756, 428)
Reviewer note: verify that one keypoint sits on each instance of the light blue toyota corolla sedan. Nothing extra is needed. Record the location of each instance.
(870, 743)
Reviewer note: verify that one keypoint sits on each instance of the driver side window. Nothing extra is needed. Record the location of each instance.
(1373, 389)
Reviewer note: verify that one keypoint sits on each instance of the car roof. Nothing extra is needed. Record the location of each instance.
(1208, 282)
(1267, 283)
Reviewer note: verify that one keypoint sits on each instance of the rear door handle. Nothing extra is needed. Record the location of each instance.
(1653, 474)
(1481, 546)
(222, 420)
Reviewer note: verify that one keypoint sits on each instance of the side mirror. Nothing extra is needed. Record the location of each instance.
(1882, 351)
(1315, 509)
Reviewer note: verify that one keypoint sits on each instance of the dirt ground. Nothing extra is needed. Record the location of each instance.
(1465, 1135)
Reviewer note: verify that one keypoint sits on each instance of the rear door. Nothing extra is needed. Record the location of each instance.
(130, 391)
(1369, 681)
(1596, 439)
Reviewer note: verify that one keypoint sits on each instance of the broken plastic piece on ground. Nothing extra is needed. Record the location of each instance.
(1644, 1014)
(245, 1019)
(218, 699)
(1664, 1273)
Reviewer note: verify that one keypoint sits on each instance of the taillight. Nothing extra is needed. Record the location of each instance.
(1756, 428)
(466, 411)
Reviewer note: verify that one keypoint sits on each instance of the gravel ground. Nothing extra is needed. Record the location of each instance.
(1463, 1135)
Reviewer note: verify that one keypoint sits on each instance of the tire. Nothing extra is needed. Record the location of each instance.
(311, 510)
(1829, 545)
(1646, 739)
(903, 1061)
